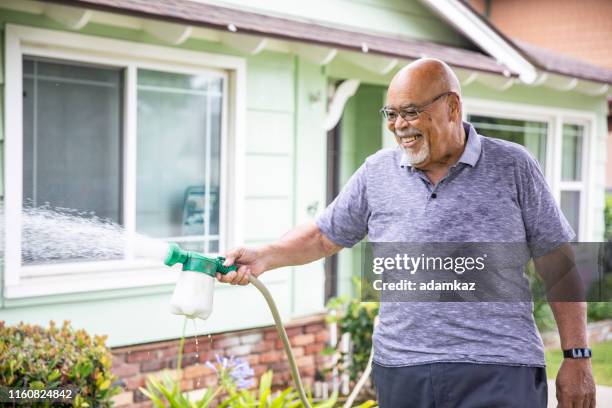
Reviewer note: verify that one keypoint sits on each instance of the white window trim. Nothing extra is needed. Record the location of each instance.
(555, 118)
(84, 277)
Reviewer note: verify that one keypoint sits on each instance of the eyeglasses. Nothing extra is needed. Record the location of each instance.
(410, 113)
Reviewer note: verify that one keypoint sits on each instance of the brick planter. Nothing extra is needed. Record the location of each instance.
(261, 347)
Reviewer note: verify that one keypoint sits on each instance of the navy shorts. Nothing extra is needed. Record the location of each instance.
(460, 385)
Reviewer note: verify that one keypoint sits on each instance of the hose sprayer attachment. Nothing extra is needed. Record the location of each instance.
(194, 261)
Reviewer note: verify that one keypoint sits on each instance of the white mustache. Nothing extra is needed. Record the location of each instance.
(407, 133)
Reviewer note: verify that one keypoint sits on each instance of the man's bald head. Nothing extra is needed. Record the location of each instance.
(423, 110)
(425, 78)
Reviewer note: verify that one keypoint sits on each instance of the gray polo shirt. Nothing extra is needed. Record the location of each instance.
(496, 192)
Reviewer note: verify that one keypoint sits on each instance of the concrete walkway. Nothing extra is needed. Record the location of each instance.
(604, 395)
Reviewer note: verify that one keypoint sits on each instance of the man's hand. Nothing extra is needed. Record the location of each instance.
(299, 246)
(575, 385)
(249, 262)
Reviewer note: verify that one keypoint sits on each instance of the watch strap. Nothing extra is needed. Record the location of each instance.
(578, 353)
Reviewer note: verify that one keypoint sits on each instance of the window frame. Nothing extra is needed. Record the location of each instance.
(34, 280)
(555, 119)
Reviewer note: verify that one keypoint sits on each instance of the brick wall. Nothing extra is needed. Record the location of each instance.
(581, 29)
(262, 348)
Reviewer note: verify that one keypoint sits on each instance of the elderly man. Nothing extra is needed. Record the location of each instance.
(446, 183)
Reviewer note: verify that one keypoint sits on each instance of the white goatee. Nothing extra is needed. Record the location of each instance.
(414, 157)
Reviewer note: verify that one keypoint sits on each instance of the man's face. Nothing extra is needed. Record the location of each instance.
(424, 139)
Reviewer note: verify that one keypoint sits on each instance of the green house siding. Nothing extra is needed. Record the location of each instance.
(278, 177)
(270, 146)
(360, 136)
(308, 281)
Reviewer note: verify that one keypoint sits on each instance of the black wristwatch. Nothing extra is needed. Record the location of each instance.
(578, 353)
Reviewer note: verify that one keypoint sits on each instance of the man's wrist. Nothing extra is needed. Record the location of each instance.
(267, 254)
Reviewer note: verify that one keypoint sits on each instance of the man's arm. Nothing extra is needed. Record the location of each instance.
(571, 322)
(299, 246)
(575, 384)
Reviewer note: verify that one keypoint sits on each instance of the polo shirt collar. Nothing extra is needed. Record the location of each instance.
(471, 153)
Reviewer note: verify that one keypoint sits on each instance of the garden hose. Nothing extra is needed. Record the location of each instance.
(283, 335)
(292, 364)
(362, 380)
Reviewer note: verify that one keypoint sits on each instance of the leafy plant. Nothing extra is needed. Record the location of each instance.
(599, 311)
(543, 314)
(608, 218)
(165, 391)
(357, 319)
(36, 357)
(264, 397)
(235, 390)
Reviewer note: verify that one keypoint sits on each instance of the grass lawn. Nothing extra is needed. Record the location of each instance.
(602, 363)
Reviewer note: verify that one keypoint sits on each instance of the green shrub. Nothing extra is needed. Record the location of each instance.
(357, 319)
(608, 217)
(36, 357)
(599, 311)
(234, 389)
(166, 393)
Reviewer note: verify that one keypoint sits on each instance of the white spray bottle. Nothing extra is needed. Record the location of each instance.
(193, 294)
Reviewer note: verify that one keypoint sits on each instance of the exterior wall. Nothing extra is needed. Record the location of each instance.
(580, 29)
(283, 166)
(409, 18)
(359, 137)
(262, 348)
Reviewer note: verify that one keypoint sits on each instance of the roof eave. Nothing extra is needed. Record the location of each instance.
(337, 38)
(487, 37)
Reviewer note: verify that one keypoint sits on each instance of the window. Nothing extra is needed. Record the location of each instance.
(530, 134)
(139, 135)
(555, 138)
(179, 151)
(72, 148)
(572, 185)
(72, 139)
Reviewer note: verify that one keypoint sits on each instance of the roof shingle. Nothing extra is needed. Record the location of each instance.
(213, 16)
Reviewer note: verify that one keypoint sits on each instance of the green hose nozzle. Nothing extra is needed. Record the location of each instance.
(195, 261)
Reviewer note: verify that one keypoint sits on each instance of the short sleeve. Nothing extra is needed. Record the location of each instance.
(545, 225)
(345, 220)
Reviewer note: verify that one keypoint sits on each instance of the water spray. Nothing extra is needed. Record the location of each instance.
(193, 297)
